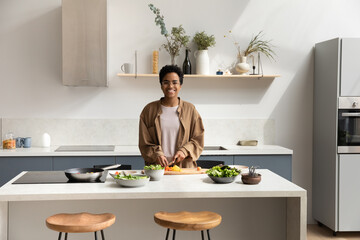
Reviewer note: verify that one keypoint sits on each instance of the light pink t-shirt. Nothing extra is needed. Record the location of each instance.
(170, 123)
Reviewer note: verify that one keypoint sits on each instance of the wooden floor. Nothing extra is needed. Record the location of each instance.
(315, 232)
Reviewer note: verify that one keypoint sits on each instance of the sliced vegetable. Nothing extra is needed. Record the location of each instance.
(174, 168)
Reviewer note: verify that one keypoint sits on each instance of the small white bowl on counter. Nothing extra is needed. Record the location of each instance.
(155, 175)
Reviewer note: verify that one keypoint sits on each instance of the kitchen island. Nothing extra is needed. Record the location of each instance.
(276, 158)
(274, 209)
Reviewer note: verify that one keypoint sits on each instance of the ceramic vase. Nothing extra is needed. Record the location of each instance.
(202, 62)
(172, 57)
(243, 67)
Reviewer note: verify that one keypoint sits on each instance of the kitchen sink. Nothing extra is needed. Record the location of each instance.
(214, 148)
(86, 148)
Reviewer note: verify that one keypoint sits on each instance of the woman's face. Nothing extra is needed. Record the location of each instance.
(171, 85)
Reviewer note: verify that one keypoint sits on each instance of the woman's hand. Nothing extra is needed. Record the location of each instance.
(162, 161)
(178, 157)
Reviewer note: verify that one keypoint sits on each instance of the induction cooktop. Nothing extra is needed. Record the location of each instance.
(46, 177)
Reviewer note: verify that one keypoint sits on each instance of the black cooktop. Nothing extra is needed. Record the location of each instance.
(38, 177)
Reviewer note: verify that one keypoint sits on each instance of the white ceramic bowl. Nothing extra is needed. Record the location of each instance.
(155, 175)
(132, 183)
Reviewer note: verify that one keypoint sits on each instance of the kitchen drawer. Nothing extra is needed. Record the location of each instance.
(12, 166)
(62, 163)
(279, 164)
(134, 161)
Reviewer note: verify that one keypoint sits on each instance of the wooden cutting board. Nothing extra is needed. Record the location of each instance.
(186, 171)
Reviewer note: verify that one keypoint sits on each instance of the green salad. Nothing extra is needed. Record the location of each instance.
(129, 177)
(223, 171)
(154, 167)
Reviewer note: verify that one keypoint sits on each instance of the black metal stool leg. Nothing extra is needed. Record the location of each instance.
(208, 233)
(95, 233)
(202, 235)
(102, 235)
(59, 238)
(174, 231)
(167, 233)
(66, 236)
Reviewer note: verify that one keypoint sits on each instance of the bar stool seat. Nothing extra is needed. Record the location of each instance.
(80, 222)
(188, 221)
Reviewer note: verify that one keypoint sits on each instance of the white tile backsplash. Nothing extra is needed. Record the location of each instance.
(125, 131)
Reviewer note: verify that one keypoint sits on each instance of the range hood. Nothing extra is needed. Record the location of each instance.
(84, 43)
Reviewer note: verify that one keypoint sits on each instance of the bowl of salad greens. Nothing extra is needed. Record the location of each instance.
(155, 172)
(129, 180)
(223, 174)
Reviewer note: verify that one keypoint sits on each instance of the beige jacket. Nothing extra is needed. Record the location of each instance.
(190, 138)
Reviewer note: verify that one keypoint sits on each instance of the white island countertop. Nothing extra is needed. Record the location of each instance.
(179, 186)
(134, 151)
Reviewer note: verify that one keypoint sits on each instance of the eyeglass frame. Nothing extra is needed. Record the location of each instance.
(167, 82)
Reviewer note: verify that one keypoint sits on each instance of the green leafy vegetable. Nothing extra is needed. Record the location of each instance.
(130, 177)
(153, 167)
(223, 171)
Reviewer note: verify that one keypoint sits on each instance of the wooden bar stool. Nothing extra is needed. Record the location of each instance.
(188, 221)
(80, 223)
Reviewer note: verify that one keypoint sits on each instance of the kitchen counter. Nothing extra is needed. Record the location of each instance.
(279, 205)
(134, 151)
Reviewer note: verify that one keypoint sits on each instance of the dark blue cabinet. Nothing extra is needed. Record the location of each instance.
(62, 163)
(279, 164)
(135, 161)
(228, 159)
(12, 166)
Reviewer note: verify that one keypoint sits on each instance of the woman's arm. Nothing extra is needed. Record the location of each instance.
(194, 147)
(150, 151)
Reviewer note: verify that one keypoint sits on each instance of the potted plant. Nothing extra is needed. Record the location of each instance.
(252, 177)
(175, 40)
(203, 42)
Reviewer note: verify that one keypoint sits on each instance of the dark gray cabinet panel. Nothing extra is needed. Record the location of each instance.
(12, 166)
(228, 160)
(135, 161)
(279, 164)
(62, 163)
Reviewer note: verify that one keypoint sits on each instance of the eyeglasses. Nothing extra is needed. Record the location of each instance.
(167, 83)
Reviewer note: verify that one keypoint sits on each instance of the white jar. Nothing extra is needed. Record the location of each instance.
(45, 140)
(202, 62)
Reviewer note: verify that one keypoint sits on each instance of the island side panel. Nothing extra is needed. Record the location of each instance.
(4, 211)
(296, 218)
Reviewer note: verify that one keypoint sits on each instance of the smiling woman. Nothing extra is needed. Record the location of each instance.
(171, 129)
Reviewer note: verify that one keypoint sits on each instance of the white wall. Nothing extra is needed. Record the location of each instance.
(30, 62)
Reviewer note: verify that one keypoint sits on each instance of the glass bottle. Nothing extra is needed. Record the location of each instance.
(187, 63)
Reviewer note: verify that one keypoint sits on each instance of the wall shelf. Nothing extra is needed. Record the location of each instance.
(203, 76)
